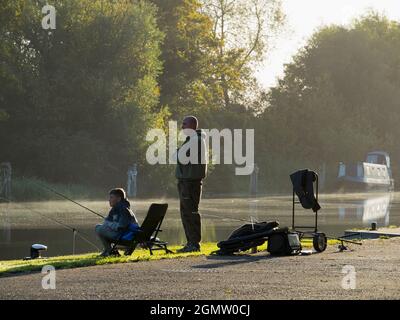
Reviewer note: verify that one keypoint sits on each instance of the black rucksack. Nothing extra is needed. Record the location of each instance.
(284, 243)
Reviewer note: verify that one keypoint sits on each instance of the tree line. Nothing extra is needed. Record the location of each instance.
(76, 102)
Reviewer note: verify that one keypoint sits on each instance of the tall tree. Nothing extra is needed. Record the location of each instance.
(243, 30)
(187, 54)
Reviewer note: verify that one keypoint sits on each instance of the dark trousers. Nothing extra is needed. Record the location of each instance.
(106, 236)
(189, 196)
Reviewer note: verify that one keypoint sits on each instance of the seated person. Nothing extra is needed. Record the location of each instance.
(117, 221)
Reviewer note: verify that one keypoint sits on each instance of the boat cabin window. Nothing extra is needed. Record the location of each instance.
(376, 158)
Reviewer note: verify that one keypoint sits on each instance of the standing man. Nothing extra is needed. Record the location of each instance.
(190, 175)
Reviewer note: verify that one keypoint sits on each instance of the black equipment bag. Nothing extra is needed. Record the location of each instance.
(284, 243)
(253, 228)
(246, 237)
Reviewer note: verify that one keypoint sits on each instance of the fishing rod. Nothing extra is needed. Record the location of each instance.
(98, 214)
(227, 218)
(80, 234)
(69, 199)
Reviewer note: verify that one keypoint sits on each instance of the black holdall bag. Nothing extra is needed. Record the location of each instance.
(246, 237)
(284, 243)
(253, 228)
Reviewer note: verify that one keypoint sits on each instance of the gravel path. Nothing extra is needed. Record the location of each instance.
(318, 276)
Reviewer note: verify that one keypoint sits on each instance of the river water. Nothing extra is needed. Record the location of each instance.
(23, 224)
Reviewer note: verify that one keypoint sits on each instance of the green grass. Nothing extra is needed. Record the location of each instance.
(92, 259)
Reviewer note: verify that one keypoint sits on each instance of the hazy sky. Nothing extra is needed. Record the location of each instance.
(304, 17)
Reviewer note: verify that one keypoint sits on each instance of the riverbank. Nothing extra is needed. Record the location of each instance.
(259, 276)
(10, 267)
(13, 267)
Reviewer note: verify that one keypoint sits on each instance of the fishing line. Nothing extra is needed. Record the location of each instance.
(98, 214)
(227, 218)
(73, 229)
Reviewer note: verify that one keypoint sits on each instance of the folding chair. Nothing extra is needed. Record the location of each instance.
(148, 232)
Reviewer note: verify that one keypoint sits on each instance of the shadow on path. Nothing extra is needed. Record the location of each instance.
(223, 261)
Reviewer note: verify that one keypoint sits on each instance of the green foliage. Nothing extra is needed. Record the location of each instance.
(243, 31)
(3, 115)
(76, 102)
(339, 97)
(81, 96)
(206, 66)
(188, 55)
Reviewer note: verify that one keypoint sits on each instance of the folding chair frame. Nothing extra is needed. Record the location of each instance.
(153, 244)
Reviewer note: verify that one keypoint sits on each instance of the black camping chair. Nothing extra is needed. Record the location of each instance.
(148, 232)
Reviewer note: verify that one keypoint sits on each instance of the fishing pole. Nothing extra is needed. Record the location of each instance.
(73, 229)
(98, 214)
(227, 218)
(65, 197)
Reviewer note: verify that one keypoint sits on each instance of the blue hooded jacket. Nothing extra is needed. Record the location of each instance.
(121, 216)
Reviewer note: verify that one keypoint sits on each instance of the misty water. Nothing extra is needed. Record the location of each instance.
(23, 224)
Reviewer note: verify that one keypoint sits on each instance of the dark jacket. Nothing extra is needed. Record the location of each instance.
(198, 170)
(302, 181)
(121, 216)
